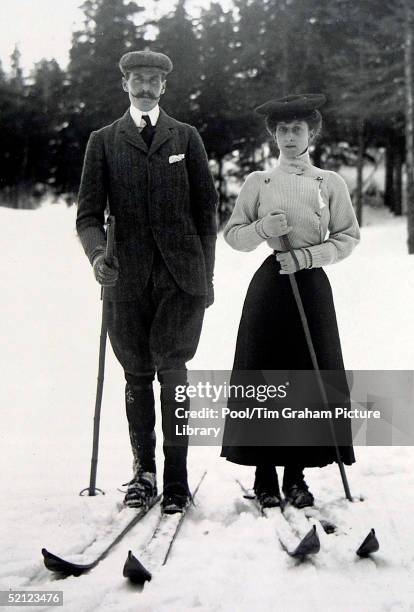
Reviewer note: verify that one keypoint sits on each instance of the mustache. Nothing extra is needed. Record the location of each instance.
(143, 94)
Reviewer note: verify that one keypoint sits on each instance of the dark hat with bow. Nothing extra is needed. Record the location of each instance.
(290, 107)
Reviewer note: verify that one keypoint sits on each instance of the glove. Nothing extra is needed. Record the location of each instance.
(106, 273)
(274, 225)
(210, 296)
(287, 263)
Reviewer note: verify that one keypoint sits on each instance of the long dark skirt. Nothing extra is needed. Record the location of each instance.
(271, 337)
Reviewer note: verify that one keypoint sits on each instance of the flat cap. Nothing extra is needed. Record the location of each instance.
(291, 106)
(145, 59)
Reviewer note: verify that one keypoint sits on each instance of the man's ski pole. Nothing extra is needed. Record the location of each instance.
(299, 303)
(92, 490)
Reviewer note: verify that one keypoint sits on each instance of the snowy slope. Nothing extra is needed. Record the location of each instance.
(226, 558)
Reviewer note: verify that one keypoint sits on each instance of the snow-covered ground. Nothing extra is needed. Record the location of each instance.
(226, 558)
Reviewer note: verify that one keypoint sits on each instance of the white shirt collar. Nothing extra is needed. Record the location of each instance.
(136, 115)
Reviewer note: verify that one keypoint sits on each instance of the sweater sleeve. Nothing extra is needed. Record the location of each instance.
(343, 227)
(243, 231)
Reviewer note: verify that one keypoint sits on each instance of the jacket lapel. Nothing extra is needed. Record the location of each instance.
(163, 131)
(131, 132)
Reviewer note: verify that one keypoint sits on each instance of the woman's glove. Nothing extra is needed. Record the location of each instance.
(273, 225)
(106, 273)
(287, 263)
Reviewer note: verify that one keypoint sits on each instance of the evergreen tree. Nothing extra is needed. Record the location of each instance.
(408, 12)
(32, 111)
(14, 133)
(281, 52)
(16, 78)
(46, 97)
(218, 121)
(374, 73)
(176, 37)
(96, 96)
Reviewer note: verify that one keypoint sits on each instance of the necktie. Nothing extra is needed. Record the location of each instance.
(147, 132)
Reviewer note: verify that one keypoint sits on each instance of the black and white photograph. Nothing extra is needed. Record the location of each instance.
(207, 321)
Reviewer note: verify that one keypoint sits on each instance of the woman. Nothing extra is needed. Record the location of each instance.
(314, 208)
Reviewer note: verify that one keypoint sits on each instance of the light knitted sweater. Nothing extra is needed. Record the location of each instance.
(316, 203)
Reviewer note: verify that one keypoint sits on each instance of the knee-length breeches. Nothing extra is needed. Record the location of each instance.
(157, 332)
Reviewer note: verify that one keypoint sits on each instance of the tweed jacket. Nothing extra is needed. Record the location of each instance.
(162, 197)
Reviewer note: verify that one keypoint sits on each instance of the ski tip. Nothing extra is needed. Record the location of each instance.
(369, 545)
(327, 526)
(309, 545)
(135, 571)
(60, 566)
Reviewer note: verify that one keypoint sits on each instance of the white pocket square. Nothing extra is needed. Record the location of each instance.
(176, 158)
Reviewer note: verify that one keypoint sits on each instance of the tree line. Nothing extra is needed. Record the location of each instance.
(225, 63)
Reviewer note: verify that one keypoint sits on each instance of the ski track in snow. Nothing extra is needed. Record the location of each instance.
(226, 557)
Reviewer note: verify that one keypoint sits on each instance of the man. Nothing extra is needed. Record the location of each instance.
(153, 173)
